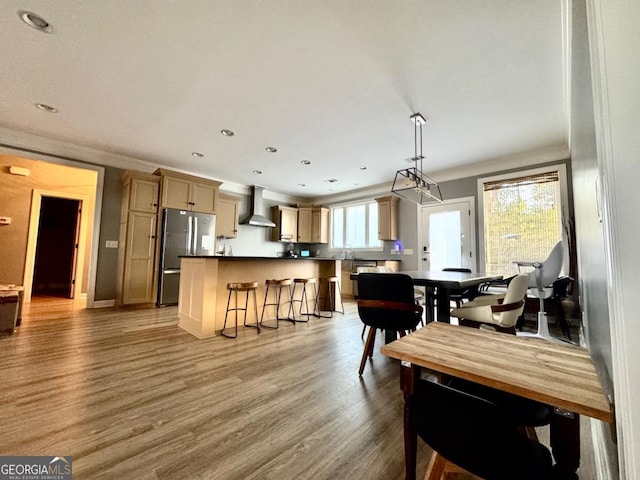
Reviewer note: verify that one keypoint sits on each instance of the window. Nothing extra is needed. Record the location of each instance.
(522, 217)
(356, 226)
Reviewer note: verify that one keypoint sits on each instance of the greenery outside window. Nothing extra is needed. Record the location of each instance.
(355, 226)
(521, 217)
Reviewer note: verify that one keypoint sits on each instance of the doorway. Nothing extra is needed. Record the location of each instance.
(448, 235)
(56, 248)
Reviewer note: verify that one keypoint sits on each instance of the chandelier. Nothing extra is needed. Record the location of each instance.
(411, 183)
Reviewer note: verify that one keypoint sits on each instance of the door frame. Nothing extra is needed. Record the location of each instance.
(472, 227)
(32, 240)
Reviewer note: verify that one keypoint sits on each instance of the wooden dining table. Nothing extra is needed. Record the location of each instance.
(561, 375)
(439, 285)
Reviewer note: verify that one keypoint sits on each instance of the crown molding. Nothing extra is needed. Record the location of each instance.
(524, 160)
(27, 141)
(521, 160)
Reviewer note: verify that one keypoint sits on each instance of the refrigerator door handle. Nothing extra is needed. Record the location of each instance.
(189, 236)
(195, 235)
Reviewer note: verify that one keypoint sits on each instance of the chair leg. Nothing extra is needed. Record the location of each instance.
(368, 349)
(435, 469)
(364, 329)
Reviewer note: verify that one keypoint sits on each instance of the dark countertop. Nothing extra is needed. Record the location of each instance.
(220, 257)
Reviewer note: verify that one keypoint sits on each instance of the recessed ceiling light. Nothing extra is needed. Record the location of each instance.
(227, 133)
(331, 180)
(45, 108)
(302, 184)
(305, 162)
(258, 172)
(363, 167)
(197, 154)
(271, 149)
(35, 21)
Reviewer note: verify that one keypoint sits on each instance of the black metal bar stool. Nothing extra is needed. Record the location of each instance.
(276, 287)
(235, 288)
(332, 293)
(304, 298)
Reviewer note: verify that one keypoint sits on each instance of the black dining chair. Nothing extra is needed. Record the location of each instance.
(474, 434)
(386, 302)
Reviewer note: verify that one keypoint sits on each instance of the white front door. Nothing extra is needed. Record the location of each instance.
(448, 235)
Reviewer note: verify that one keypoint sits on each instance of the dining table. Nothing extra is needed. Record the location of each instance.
(559, 374)
(438, 285)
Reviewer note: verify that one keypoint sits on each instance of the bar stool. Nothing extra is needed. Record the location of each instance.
(304, 298)
(276, 287)
(332, 293)
(235, 288)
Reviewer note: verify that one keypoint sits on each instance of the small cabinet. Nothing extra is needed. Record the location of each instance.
(185, 192)
(305, 216)
(227, 215)
(313, 225)
(387, 218)
(137, 243)
(320, 225)
(286, 220)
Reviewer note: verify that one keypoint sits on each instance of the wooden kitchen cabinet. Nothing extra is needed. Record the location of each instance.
(387, 218)
(320, 225)
(185, 192)
(227, 212)
(313, 225)
(286, 220)
(305, 216)
(137, 242)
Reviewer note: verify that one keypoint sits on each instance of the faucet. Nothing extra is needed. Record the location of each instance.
(347, 252)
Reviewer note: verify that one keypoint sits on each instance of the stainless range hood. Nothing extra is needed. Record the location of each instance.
(256, 216)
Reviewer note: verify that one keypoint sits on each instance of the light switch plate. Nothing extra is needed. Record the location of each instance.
(112, 244)
(408, 251)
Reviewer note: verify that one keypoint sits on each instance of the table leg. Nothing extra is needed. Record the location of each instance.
(429, 304)
(565, 444)
(444, 309)
(409, 374)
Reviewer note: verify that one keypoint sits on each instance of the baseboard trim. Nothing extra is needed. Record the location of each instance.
(602, 461)
(104, 303)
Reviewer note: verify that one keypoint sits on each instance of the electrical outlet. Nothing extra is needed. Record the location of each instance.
(5, 220)
(408, 251)
(112, 244)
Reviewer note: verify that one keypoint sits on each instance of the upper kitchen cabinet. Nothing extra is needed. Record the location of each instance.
(387, 218)
(305, 216)
(185, 192)
(141, 192)
(313, 225)
(227, 212)
(286, 220)
(320, 225)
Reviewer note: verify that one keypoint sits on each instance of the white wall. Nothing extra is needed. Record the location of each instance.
(614, 35)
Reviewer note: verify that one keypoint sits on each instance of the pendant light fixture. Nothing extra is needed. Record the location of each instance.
(411, 183)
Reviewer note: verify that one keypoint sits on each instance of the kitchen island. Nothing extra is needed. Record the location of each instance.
(202, 300)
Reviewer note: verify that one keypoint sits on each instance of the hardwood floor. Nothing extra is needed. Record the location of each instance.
(128, 394)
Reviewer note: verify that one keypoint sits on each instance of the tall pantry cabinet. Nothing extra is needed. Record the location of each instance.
(138, 225)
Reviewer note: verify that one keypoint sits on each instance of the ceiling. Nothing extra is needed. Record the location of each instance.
(332, 82)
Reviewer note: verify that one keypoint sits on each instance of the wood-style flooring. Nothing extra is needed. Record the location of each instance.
(130, 395)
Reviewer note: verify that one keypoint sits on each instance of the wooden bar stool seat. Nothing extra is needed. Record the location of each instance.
(331, 295)
(247, 288)
(304, 299)
(276, 287)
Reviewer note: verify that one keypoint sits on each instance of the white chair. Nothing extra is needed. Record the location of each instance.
(541, 285)
(498, 311)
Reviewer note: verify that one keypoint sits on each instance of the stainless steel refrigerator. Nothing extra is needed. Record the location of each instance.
(183, 233)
